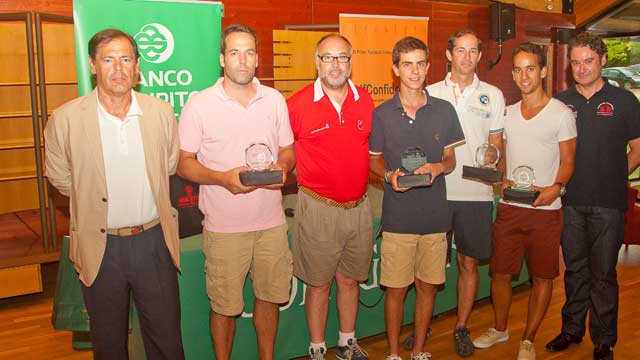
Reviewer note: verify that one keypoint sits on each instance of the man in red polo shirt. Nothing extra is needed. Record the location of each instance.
(333, 233)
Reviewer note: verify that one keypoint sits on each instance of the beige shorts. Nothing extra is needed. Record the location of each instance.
(230, 256)
(326, 240)
(406, 257)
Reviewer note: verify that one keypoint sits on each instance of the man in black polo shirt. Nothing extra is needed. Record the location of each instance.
(414, 220)
(608, 119)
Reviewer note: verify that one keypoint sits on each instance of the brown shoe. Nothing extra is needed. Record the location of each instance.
(562, 342)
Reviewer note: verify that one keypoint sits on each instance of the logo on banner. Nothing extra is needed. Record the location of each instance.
(155, 42)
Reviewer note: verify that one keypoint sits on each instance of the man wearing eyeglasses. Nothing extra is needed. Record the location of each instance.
(333, 233)
(480, 108)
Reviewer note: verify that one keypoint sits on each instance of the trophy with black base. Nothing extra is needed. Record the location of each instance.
(412, 159)
(522, 191)
(259, 158)
(487, 157)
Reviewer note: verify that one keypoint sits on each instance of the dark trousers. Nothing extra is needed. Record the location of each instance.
(140, 265)
(591, 239)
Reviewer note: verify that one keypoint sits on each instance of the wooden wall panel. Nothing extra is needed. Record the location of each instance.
(264, 16)
(60, 7)
(586, 10)
(267, 15)
(448, 18)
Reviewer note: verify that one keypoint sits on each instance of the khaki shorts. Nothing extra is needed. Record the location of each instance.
(327, 239)
(230, 256)
(406, 257)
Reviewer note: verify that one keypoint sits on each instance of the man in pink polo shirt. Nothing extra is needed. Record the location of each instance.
(244, 227)
(332, 235)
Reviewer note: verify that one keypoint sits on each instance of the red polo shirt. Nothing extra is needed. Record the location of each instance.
(332, 149)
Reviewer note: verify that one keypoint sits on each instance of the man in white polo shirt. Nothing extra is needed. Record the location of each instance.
(480, 109)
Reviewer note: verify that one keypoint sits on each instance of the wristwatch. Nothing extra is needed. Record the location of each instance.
(563, 190)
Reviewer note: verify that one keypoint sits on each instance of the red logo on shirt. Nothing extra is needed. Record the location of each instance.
(605, 109)
(189, 200)
(360, 125)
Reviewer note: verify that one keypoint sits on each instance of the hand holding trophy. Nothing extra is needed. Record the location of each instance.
(487, 157)
(522, 192)
(259, 158)
(412, 159)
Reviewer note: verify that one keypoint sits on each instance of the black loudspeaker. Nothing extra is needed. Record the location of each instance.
(567, 6)
(502, 21)
(564, 35)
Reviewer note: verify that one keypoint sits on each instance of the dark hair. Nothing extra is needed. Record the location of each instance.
(236, 28)
(458, 34)
(405, 45)
(531, 49)
(592, 41)
(107, 35)
(333, 35)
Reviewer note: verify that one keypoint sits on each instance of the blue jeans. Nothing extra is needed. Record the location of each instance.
(591, 240)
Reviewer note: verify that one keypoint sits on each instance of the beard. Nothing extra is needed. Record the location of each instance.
(335, 82)
(241, 78)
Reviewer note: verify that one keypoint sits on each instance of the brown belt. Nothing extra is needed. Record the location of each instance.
(343, 205)
(128, 231)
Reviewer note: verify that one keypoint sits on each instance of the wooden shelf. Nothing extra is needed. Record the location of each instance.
(17, 114)
(17, 144)
(26, 83)
(14, 174)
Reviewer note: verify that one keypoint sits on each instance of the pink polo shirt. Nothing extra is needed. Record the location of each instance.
(219, 129)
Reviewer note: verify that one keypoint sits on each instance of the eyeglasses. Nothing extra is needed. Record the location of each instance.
(329, 58)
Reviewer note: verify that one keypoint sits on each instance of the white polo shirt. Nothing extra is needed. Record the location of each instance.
(130, 200)
(481, 111)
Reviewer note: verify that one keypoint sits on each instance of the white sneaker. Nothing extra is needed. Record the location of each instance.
(490, 338)
(421, 356)
(394, 357)
(527, 352)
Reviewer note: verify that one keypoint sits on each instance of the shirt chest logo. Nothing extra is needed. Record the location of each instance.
(605, 109)
(484, 99)
(360, 125)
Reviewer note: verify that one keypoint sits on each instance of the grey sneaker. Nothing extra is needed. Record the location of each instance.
(317, 354)
(421, 356)
(352, 351)
(462, 342)
(408, 341)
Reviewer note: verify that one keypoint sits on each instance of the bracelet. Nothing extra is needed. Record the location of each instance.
(386, 176)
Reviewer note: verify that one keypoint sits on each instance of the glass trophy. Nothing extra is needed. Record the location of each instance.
(487, 157)
(522, 192)
(259, 158)
(411, 159)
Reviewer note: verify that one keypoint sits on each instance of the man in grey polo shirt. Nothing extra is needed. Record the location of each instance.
(414, 220)
(480, 109)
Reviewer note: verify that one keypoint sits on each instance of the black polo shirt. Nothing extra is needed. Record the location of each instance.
(436, 127)
(605, 122)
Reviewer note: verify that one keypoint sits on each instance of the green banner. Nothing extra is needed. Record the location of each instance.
(179, 43)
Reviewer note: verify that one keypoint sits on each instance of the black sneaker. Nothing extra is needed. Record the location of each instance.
(462, 342)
